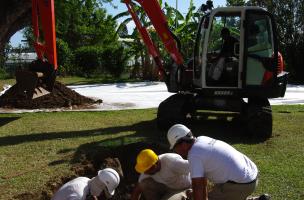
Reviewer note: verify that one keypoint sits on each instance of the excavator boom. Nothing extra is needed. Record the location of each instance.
(44, 11)
(158, 19)
(39, 79)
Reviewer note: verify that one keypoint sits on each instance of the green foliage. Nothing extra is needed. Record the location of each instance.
(137, 49)
(184, 27)
(3, 58)
(88, 59)
(114, 60)
(235, 2)
(64, 56)
(215, 41)
(84, 23)
(92, 60)
(3, 73)
(89, 31)
(83, 30)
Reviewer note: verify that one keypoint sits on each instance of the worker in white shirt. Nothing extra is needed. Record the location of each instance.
(233, 174)
(82, 188)
(163, 177)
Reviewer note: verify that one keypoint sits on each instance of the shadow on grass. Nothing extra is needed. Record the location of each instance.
(142, 128)
(6, 120)
(90, 157)
(228, 131)
(148, 136)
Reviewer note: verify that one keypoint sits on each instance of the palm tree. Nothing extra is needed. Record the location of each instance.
(184, 27)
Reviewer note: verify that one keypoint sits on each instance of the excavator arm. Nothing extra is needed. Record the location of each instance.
(158, 19)
(39, 79)
(44, 11)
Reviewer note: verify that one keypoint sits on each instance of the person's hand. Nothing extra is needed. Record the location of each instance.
(188, 195)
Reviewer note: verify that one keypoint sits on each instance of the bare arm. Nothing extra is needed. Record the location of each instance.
(136, 193)
(199, 187)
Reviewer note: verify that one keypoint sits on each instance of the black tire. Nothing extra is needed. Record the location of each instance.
(174, 110)
(259, 118)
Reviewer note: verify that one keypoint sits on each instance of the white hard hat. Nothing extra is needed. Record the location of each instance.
(176, 132)
(110, 178)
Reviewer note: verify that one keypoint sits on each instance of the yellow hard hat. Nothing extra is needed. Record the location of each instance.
(145, 159)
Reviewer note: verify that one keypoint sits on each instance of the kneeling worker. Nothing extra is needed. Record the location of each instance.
(83, 188)
(234, 175)
(163, 177)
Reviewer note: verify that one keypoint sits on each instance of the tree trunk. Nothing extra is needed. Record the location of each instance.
(14, 15)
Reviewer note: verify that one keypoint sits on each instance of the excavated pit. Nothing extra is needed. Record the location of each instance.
(86, 162)
(122, 158)
(60, 97)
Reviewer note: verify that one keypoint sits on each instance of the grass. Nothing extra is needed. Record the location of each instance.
(36, 148)
(76, 80)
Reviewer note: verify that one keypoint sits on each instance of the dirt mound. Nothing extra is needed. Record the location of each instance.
(61, 96)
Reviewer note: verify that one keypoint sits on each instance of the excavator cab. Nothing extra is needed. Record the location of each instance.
(39, 78)
(236, 51)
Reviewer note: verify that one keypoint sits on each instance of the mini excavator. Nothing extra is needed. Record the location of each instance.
(212, 80)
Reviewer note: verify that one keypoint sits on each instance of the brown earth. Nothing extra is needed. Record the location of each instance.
(60, 97)
(121, 158)
(83, 164)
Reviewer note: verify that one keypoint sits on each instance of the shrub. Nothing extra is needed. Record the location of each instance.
(64, 56)
(4, 74)
(88, 59)
(115, 60)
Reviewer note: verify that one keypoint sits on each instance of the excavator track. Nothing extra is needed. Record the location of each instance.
(175, 109)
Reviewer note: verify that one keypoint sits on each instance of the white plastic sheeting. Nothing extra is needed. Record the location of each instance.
(142, 95)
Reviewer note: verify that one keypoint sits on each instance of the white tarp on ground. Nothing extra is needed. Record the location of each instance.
(150, 94)
(147, 95)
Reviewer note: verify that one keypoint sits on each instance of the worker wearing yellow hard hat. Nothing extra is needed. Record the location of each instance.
(145, 160)
(162, 177)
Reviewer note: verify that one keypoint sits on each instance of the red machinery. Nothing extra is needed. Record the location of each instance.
(39, 79)
(159, 21)
(253, 69)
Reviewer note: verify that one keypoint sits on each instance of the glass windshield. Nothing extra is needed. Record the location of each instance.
(260, 48)
(198, 54)
(223, 50)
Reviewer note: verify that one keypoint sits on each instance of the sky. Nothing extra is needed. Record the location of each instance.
(182, 5)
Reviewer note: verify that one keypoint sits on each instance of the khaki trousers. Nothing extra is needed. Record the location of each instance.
(232, 191)
(153, 190)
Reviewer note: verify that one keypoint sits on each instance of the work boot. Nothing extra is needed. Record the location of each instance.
(264, 197)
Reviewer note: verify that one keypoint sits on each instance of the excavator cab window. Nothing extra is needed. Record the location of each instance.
(260, 49)
(223, 50)
(199, 47)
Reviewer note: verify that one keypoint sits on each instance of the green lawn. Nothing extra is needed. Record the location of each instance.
(75, 80)
(36, 148)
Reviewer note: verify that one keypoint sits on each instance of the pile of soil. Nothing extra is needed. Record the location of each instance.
(60, 97)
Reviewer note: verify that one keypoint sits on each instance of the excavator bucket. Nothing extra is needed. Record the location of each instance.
(37, 81)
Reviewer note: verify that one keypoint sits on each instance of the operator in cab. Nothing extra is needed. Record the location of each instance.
(227, 51)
